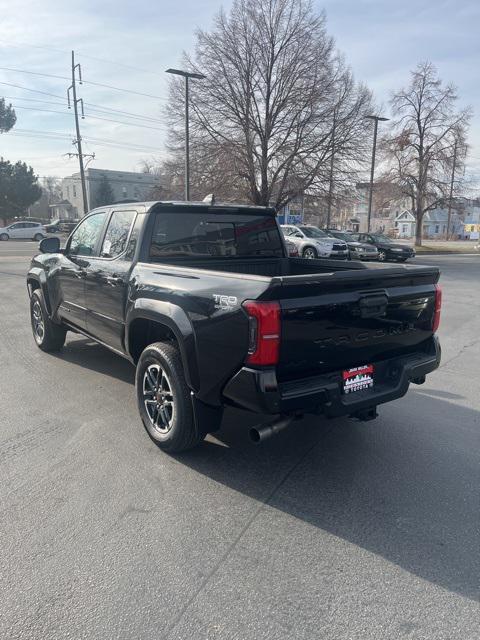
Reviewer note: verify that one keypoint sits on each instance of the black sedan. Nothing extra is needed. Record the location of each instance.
(387, 249)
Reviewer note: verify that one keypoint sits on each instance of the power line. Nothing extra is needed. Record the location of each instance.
(53, 135)
(34, 100)
(66, 134)
(88, 115)
(19, 86)
(128, 124)
(63, 113)
(84, 55)
(35, 73)
(110, 86)
(100, 109)
(97, 84)
(92, 106)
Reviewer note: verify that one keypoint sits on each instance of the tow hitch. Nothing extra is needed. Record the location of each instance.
(364, 415)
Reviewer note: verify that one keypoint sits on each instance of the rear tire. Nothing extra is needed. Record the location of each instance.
(310, 253)
(48, 335)
(164, 399)
(37, 237)
(4, 236)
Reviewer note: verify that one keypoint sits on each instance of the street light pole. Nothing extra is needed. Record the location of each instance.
(376, 120)
(187, 76)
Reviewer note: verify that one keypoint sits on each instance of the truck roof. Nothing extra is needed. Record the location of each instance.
(200, 205)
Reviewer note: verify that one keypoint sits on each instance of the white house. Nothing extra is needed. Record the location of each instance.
(405, 224)
(125, 185)
(434, 224)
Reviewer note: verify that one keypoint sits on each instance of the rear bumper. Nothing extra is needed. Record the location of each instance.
(259, 390)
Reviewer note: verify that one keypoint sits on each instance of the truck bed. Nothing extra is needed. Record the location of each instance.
(335, 315)
(267, 267)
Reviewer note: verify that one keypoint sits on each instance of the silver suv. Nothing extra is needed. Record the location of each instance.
(312, 242)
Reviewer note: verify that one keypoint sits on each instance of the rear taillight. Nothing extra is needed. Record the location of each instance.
(438, 307)
(263, 332)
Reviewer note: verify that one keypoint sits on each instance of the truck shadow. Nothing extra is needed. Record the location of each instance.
(404, 487)
(394, 487)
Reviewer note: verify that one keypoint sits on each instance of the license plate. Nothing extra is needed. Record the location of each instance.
(358, 378)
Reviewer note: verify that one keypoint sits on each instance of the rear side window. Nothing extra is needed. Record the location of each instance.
(214, 234)
(118, 230)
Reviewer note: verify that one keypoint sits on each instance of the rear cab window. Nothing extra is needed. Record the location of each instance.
(214, 232)
(118, 231)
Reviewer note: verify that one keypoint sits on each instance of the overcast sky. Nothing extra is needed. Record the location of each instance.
(130, 44)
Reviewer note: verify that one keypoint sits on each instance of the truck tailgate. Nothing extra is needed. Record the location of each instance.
(336, 321)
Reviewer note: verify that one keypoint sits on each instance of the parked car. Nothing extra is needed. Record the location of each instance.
(311, 242)
(291, 249)
(387, 249)
(357, 250)
(53, 226)
(253, 329)
(67, 226)
(23, 230)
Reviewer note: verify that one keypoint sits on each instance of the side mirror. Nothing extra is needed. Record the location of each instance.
(49, 245)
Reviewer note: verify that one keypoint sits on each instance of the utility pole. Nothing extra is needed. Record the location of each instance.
(78, 141)
(187, 75)
(376, 120)
(451, 188)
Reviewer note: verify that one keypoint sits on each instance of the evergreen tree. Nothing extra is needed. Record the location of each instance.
(7, 116)
(19, 188)
(104, 193)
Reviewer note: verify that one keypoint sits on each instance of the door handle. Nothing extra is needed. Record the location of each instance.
(113, 280)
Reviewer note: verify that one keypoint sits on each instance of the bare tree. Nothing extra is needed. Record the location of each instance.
(52, 187)
(427, 138)
(278, 101)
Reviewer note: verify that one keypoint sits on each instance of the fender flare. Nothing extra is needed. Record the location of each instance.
(38, 275)
(177, 321)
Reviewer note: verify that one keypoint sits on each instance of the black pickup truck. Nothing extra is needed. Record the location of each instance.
(205, 301)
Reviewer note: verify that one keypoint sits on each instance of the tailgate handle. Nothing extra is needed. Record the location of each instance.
(373, 306)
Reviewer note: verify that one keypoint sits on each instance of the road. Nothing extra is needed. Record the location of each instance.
(334, 530)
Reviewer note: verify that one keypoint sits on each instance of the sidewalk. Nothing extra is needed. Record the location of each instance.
(444, 246)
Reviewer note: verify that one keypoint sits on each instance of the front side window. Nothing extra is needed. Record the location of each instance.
(117, 233)
(86, 236)
(214, 233)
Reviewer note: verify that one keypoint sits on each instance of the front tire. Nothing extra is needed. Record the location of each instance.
(4, 237)
(48, 335)
(310, 253)
(163, 399)
(382, 255)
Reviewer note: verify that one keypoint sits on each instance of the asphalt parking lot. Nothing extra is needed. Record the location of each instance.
(333, 530)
